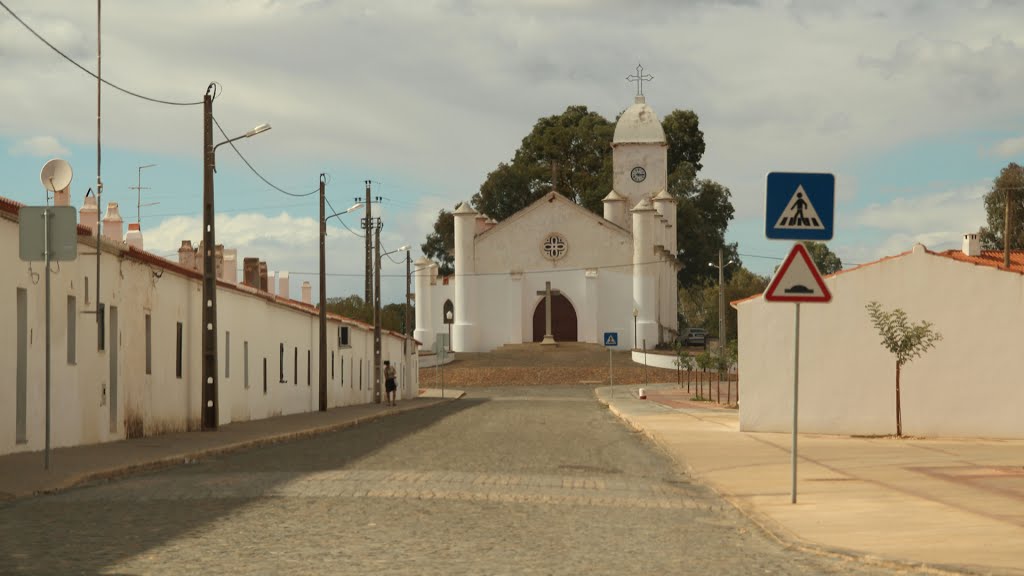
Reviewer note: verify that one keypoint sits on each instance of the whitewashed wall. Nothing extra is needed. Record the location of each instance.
(969, 385)
(140, 285)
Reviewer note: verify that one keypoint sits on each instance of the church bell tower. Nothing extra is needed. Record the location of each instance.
(639, 150)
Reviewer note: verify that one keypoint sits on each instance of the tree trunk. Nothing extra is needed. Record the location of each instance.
(899, 418)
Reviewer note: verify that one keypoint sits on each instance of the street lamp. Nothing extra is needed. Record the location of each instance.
(635, 314)
(322, 405)
(209, 339)
(448, 316)
(722, 324)
(377, 366)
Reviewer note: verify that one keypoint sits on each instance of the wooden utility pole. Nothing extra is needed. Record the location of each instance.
(367, 227)
(1006, 228)
(323, 298)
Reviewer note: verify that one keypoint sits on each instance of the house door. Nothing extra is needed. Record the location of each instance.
(21, 370)
(563, 320)
(112, 352)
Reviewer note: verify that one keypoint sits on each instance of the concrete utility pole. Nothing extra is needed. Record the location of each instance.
(209, 327)
(367, 223)
(376, 311)
(323, 298)
(723, 337)
(1006, 229)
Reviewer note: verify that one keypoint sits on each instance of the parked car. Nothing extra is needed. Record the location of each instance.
(695, 337)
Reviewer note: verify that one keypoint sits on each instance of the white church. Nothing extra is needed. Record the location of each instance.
(611, 274)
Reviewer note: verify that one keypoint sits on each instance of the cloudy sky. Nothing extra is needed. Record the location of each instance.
(915, 106)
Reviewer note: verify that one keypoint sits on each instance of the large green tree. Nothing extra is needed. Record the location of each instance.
(574, 147)
(440, 244)
(825, 259)
(1010, 183)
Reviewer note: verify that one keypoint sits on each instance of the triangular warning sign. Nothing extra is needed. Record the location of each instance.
(610, 340)
(799, 213)
(797, 280)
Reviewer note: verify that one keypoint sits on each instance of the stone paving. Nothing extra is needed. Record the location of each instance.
(520, 481)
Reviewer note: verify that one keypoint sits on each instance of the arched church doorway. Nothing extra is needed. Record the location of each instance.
(563, 320)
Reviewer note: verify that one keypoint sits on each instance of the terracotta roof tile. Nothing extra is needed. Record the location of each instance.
(990, 258)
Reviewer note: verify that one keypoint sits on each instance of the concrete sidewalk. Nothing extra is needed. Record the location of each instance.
(948, 504)
(22, 474)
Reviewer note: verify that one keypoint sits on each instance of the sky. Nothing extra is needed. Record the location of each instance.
(915, 106)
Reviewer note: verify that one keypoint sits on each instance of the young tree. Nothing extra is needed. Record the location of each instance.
(1010, 183)
(904, 340)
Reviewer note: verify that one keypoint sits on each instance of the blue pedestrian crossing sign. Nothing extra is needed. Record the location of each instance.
(800, 206)
(611, 338)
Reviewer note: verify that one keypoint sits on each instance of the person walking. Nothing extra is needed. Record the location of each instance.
(389, 382)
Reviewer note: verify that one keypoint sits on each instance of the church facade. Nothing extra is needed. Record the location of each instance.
(596, 275)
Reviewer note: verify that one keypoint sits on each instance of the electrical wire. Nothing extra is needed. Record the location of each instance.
(255, 171)
(336, 213)
(481, 274)
(89, 72)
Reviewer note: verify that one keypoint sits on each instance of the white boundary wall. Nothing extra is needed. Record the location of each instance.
(83, 408)
(968, 385)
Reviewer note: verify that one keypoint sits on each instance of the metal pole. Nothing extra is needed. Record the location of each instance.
(46, 258)
(406, 345)
(722, 337)
(323, 300)
(376, 314)
(209, 328)
(796, 395)
(611, 379)
(99, 179)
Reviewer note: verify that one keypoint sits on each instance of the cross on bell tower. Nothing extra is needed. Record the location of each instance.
(639, 78)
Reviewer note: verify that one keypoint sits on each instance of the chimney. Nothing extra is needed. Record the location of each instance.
(62, 197)
(263, 276)
(134, 236)
(251, 272)
(218, 260)
(231, 266)
(972, 246)
(113, 225)
(480, 224)
(307, 292)
(283, 281)
(272, 282)
(89, 214)
(187, 255)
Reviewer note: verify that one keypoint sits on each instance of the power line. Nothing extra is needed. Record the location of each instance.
(256, 172)
(89, 72)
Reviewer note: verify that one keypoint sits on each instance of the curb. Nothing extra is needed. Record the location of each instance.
(189, 457)
(779, 533)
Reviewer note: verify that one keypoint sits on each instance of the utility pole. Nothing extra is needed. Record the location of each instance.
(406, 348)
(209, 328)
(376, 312)
(723, 337)
(367, 223)
(1006, 229)
(99, 183)
(323, 298)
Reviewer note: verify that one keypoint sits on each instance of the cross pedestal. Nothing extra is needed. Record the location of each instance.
(547, 292)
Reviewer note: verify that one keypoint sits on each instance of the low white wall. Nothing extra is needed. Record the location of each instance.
(85, 408)
(968, 385)
(655, 360)
(429, 359)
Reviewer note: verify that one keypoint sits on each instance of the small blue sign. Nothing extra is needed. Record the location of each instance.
(611, 338)
(800, 206)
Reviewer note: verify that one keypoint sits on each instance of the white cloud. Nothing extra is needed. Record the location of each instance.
(1009, 147)
(39, 146)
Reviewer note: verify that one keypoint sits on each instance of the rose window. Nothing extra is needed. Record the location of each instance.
(554, 246)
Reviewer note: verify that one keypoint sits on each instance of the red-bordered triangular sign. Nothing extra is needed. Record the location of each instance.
(797, 280)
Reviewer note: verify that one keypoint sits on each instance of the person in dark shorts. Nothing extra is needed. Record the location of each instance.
(389, 382)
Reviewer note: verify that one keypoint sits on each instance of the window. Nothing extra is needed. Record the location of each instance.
(264, 376)
(295, 367)
(177, 363)
(245, 360)
(332, 365)
(72, 329)
(149, 344)
(102, 345)
(227, 354)
(309, 364)
(343, 337)
(343, 371)
(280, 362)
(86, 289)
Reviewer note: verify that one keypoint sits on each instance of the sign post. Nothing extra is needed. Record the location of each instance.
(798, 206)
(611, 340)
(47, 233)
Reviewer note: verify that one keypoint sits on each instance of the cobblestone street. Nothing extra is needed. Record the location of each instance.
(504, 481)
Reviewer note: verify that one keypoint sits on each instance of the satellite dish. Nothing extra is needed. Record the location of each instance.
(55, 175)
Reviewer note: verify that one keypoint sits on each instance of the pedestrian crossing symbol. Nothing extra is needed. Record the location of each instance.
(799, 206)
(611, 338)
